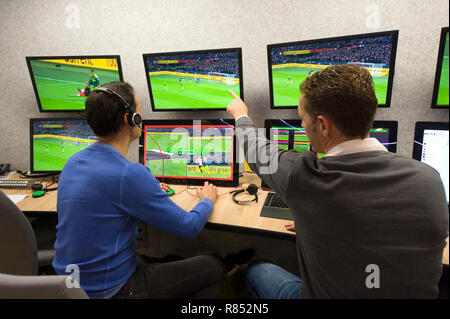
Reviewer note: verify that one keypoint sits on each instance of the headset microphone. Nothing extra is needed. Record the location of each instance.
(252, 189)
(134, 119)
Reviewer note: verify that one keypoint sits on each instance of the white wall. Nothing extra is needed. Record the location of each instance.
(131, 28)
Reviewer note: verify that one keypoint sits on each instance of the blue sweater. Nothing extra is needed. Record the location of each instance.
(101, 198)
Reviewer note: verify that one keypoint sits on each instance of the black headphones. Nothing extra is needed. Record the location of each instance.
(134, 119)
(252, 189)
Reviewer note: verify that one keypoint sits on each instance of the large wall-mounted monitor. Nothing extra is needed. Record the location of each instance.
(190, 151)
(54, 140)
(62, 83)
(290, 63)
(440, 98)
(194, 80)
(431, 147)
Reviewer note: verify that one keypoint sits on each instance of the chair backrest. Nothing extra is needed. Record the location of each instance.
(38, 287)
(18, 248)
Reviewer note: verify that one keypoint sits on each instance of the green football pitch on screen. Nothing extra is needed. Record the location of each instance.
(168, 93)
(287, 93)
(443, 98)
(181, 149)
(51, 155)
(56, 83)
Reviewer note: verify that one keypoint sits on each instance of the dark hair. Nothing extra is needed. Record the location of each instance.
(104, 112)
(345, 94)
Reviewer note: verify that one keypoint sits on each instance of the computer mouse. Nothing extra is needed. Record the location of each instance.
(170, 192)
(37, 187)
(38, 194)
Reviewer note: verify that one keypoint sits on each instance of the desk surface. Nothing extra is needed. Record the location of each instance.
(225, 213)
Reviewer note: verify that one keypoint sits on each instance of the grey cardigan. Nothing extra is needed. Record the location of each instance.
(358, 216)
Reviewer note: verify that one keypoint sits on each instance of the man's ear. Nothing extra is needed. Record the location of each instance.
(324, 125)
(125, 119)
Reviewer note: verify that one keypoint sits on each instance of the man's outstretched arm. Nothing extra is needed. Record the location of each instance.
(272, 164)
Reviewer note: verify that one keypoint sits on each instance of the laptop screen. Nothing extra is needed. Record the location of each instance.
(431, 143)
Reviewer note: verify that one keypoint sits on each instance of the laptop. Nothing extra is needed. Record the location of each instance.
(290, 135)
(431, 141)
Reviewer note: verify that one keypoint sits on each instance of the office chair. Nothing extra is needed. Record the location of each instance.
(38, 287)
(19, 260)
(17, 241)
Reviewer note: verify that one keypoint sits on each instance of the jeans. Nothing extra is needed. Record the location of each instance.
(196, 277)
(268, 281)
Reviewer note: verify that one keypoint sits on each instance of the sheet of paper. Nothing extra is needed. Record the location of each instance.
(16, 198)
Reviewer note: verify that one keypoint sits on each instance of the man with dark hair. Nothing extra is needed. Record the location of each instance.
(102, 197)
(369, 223)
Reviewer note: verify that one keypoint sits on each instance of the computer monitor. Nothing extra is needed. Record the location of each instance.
(440, 98)
(54, 140)
(292, 62)
(386, 133)
(62, 83)
(290, 135)
(190, 151)
(431, 147)
(194, 80)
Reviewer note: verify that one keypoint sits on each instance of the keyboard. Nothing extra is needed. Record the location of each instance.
(275, 207)
(273, 200)
(15, 183)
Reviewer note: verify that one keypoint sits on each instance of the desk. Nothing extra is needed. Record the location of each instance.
(34, 206)
(226, 213)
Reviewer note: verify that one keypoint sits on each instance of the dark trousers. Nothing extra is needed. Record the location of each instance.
(196, 277)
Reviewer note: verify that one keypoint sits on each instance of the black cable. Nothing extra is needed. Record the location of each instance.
(36, 175)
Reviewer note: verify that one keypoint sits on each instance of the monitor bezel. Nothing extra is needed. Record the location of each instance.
(394, 34)
(36, 93)
(419, 129)
(393, 131)
(152, 102)
(32, 120)
(437, 77)
(188, 181)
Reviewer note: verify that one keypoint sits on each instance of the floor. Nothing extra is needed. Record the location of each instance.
(234, 286)
(152, 242)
